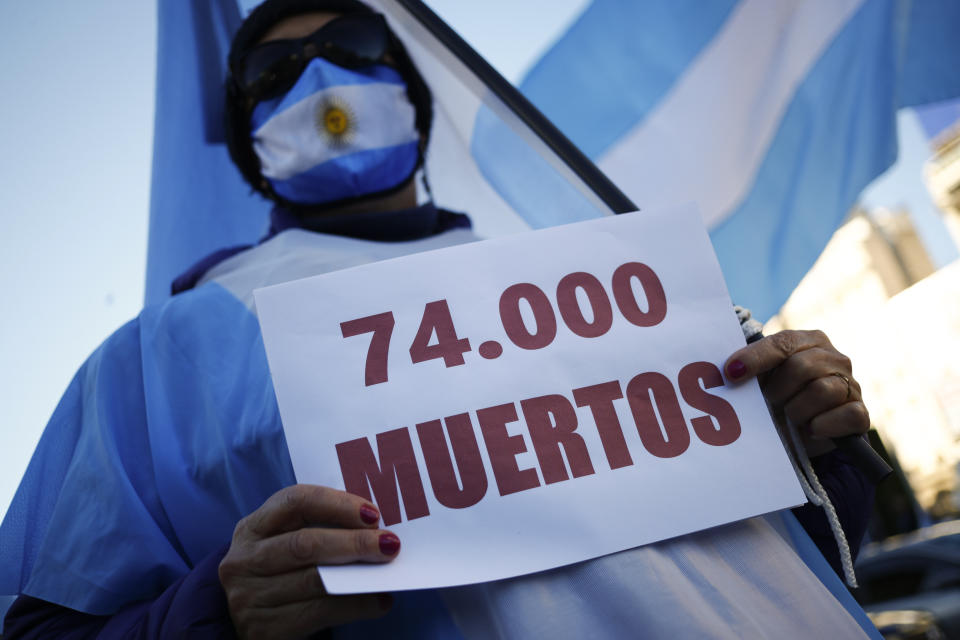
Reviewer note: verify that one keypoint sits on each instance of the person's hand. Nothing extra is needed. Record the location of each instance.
(806, 380)
(270, 572)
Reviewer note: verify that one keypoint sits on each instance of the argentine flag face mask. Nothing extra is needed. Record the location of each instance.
(338, 133)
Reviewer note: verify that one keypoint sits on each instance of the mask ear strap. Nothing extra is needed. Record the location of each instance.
(423, 170)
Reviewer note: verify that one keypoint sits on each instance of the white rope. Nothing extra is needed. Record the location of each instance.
(809, 479)
(802, 466)
(791, 446)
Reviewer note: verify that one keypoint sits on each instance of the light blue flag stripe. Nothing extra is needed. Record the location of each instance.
(602, 77)
(319, 181)
(931, 51)
(198, 201)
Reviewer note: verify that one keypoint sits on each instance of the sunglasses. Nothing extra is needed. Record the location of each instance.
(272, 68)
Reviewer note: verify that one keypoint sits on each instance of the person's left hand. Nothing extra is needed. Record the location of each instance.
(808, 381)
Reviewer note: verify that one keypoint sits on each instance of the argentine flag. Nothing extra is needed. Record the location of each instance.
(771, 115)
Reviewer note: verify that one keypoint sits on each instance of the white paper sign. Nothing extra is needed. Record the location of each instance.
(574, 370)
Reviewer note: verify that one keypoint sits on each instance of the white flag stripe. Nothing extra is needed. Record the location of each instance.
(380, 115)
(458, 183)
(706, 139)
(458, 97)
(454, 177)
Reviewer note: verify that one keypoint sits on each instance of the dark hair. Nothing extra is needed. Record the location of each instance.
(237, 110)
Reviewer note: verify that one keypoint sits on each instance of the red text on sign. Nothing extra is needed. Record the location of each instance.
(459, 480)
(449, 347)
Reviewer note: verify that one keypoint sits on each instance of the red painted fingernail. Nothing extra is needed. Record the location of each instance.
(389, 544)
(736, 369)
(369, 514)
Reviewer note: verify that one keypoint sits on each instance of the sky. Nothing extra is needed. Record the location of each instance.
(76, 123)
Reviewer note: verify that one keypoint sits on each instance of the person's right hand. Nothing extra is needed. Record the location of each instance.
(270, 572)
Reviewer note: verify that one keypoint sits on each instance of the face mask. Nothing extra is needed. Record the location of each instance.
(338, 133)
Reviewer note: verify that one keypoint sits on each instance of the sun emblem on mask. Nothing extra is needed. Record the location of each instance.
(336, 121)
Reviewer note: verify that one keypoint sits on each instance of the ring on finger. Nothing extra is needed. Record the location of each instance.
(845, 379)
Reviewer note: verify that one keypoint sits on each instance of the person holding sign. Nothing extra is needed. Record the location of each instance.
(161, 500)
